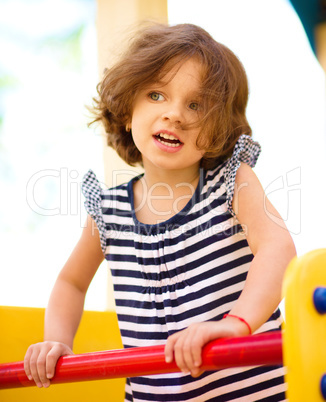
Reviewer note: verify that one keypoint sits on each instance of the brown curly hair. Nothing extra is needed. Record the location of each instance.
(152, 52)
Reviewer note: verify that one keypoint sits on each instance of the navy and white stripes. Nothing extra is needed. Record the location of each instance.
(191, 268)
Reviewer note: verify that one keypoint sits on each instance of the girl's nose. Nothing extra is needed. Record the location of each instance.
(173, 114)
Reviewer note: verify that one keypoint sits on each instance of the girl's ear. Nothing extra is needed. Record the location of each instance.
(128, 127)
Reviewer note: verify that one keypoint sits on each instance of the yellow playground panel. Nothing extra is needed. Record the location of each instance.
(98, 331)
(304, 338)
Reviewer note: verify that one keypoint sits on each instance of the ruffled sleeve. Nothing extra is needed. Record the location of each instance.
(92, 192)
(246, 150)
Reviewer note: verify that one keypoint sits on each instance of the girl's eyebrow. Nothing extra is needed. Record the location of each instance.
(155, 84)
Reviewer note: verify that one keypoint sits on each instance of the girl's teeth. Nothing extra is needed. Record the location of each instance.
(168, 136)
(169, 144)
(163, 136)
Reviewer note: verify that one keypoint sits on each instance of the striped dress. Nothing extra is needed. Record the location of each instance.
(190, 268)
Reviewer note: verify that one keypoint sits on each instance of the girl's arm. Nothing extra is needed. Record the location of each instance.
(273, 249)
(271, 245)
(65, 307)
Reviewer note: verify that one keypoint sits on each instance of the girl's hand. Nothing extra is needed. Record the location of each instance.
(40, 361)
(186, 345)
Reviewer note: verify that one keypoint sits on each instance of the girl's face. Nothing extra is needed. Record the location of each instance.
(160, 113)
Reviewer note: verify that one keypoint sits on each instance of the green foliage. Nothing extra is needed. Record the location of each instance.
(8, 81)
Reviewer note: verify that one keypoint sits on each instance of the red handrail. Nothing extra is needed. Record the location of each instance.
(261, 349)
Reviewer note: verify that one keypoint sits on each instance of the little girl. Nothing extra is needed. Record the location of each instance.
(194, 255)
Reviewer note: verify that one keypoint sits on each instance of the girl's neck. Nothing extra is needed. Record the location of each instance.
(161, 194)
(172, 180)
(155, 176)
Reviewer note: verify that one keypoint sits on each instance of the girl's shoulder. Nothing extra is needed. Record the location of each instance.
(247, 151)
(91, 186)
(101, 200)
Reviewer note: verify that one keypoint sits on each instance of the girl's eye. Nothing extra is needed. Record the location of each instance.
(155, 96)
(194, 106)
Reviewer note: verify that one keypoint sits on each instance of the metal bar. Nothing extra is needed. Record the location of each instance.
(261, 349)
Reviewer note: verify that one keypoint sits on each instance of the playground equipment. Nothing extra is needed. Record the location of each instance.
(304, 340)
(222, 353)
(301, 346)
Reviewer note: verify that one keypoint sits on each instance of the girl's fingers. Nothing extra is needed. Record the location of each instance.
(169, 349)
(181, 354)
(192, 349)
(186, 347)
(40, 361)
(34, 365)
(41, 369)
(27, 363)
(51, 361)
(196, 351)
(197, 344)
(183, 351)
(53, 356)
(173, 350)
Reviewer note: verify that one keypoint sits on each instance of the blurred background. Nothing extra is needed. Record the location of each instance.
(49, 68)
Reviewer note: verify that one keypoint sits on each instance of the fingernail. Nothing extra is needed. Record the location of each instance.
(49, 376)
(39, 385)
(30, 377)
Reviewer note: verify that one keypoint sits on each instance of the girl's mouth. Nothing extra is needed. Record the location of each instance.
(168, 140)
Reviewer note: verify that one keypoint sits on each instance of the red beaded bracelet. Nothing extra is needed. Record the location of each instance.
(241, 319)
